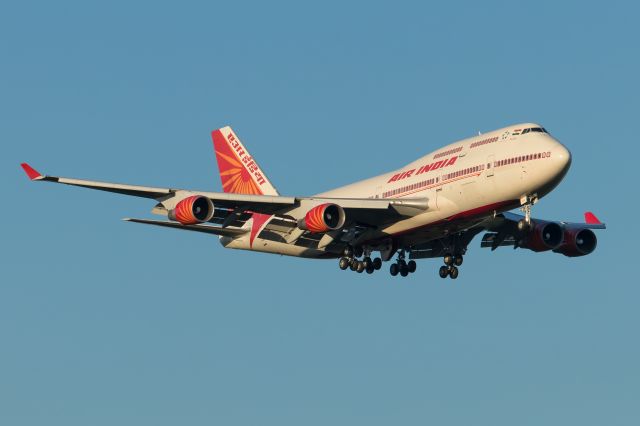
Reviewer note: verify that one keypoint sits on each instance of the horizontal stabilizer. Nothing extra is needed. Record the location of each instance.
(215, 230)
(591, 219)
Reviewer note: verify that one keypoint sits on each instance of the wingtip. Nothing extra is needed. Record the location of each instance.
(32, 173)
(591, 219)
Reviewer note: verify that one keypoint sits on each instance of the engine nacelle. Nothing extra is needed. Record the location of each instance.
(192, 210)
(543, 236)
(323, 218)
(578, 242)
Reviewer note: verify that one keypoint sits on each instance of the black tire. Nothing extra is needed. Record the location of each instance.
(404, 271)
(370, 269)
(353, 265)
(360, 267)
(343, 263)
(394, 269)
(448, 259)
(377, 263)
(367, 262)
(457, 261)
(357, 251)
(453, 272)
(444, 271)
(402, 263)
(412, 266)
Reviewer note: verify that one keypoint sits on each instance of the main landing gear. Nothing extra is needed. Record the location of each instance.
(350, 260)
(450, 267)
(402, 267)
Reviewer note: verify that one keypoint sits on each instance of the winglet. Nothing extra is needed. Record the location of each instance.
(591, 219)
(31, 172)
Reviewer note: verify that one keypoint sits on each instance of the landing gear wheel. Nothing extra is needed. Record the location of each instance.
(412, 266)
(404, 270)
(367, 262)
(394, 269)
(377, 263)
(453, 272)
(348, 251)
(370, 269)
(444, 271)
(448, 259)
(343, 263)
(457, 260)
(353, 264)
(360, 267)
(402, 263)
(357, 251)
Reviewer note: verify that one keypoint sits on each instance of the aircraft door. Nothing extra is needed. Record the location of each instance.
(490, 165)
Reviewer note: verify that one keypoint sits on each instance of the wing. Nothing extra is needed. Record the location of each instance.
(569, 238)
(234, 209)
(214, 230)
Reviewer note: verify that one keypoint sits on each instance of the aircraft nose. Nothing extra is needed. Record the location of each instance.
(561, 158)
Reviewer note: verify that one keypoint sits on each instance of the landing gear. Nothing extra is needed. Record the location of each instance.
(349, 260)
(377, 263)
(401, 266)
(528, 201)
(394, 269)
(343, 263)
(444, 271)
(448, 259)
(449, 269)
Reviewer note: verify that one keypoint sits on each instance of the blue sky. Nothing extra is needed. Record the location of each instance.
(104, 322)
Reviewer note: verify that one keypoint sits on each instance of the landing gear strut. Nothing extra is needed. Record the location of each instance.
(525, 223)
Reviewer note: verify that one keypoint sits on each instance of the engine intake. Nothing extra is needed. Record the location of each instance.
(192, 210)
(543, 237)
(578, 242)
(323, 218)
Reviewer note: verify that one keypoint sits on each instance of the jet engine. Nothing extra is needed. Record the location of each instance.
(543, 236)
(578, 242)
(192, 210)
(323, 218)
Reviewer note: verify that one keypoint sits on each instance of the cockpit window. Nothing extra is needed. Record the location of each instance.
(534, 129)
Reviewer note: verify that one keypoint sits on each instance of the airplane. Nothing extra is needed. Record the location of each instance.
(432, 207)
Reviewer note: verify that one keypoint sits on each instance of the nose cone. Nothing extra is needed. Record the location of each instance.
(561, 158)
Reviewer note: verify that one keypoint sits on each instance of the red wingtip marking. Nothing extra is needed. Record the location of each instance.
(591, 219)
(30, 171)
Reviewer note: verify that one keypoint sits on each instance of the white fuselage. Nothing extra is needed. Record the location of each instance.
(475, 177)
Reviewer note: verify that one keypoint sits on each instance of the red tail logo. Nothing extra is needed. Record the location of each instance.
(239, 172)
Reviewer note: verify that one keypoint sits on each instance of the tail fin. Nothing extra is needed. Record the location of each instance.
(239, 172)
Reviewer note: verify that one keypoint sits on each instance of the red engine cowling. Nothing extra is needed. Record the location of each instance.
(323, 218)
(578, 242)
(192, 210)
(543, 236)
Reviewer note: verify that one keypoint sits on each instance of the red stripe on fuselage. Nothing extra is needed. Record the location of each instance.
(468, 214)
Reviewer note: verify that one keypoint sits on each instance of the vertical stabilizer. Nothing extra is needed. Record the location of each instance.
(239, 172)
